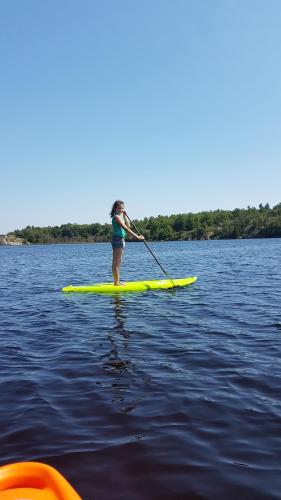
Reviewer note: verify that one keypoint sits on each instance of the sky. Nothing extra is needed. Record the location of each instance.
(172, 106)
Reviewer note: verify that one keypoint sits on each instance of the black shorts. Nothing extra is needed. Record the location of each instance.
(117, 242)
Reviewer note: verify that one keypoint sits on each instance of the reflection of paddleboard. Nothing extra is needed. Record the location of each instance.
(131, 286)
(34, 481)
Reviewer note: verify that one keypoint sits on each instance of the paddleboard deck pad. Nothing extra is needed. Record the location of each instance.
(130, 286)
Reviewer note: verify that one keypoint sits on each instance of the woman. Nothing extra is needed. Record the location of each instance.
(121, 226)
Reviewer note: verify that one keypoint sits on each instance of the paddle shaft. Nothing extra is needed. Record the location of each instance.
(136, 229)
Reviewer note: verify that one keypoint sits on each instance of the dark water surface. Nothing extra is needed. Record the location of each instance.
(154, 395)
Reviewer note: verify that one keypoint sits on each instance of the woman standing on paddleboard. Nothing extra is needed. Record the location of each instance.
(120, 226)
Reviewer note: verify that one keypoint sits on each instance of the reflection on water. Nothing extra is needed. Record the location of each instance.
(118, 362)
(117, 330)
(120, 313)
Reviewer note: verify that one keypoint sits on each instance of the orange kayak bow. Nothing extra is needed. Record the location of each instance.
(34, 481)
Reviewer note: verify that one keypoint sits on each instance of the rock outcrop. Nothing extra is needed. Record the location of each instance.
(11, 240)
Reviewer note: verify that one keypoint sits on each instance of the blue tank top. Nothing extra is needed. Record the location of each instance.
(118, 230)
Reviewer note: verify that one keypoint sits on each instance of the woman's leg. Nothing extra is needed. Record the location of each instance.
(116, 263)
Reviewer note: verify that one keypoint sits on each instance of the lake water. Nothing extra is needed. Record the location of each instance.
(144, 396)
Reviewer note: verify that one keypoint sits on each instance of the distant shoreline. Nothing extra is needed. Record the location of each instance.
(77, 242)
(250, 223)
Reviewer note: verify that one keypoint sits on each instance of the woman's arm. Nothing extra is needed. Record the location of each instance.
(122, 224)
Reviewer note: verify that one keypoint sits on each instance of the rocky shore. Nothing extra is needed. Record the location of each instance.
(10, 240)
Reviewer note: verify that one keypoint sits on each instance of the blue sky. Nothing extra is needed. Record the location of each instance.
(172, 106)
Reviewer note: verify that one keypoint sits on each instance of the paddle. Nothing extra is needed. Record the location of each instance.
(136, 229)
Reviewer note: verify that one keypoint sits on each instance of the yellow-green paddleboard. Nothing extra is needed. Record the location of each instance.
(130, 286)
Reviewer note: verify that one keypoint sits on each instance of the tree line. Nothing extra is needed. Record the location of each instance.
(261, 222)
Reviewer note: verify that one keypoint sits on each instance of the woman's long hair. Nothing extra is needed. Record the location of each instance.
(114, 206)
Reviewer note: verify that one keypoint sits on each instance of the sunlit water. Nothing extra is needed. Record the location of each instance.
(153, 395)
